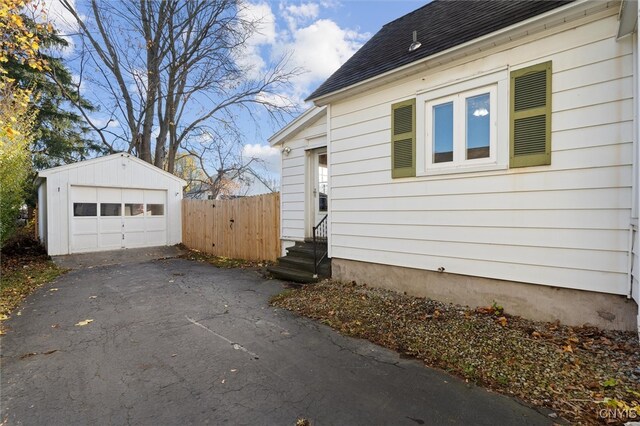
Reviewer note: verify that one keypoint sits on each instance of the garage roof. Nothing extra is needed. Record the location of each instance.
(53, 170)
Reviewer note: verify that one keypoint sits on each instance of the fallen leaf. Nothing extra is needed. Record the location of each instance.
(174, 355)
(223, 380)
(53, 289)
(485, 309)
(3, 317)
(56, 326)
(502, 321)
(567, 348)
(233, 370)
(93, 297)
(85, 322)
(536, 335)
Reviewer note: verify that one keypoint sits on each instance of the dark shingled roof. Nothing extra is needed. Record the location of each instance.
(441, 25)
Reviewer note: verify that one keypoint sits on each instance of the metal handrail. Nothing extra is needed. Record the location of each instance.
(319, 232)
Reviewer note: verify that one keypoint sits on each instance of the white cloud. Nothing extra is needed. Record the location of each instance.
(304, 11)
(261, 15)
(319, 49)
(64, 22)
(275, 100)
(249, 55)
(298, 14)
(268, 155)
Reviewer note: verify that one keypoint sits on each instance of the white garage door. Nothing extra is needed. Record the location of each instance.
(114, 218)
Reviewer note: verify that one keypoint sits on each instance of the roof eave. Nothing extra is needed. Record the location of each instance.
(297, 125)
(47, 172)
(452, 53)
(627, 18)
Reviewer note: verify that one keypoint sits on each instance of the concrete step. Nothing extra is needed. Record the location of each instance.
(288, 274)
(306, 250)
(297, 262)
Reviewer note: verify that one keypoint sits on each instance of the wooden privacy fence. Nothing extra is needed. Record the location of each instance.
(243, 228)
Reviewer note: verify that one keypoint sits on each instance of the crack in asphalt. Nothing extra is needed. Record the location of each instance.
(233, 344)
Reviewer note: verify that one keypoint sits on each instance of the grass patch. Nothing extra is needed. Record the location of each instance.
(575, 371)
(24, 267)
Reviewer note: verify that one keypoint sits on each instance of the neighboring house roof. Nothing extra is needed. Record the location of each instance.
(303, 121)
(47, 172)
(440, 25)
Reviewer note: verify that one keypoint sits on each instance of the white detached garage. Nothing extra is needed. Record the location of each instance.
(108, 203)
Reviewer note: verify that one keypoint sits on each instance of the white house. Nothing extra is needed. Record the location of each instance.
(108, 203)
(481, 151)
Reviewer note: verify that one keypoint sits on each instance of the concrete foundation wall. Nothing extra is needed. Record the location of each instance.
(536, 302)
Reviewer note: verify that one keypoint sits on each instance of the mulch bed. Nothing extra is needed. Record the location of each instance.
(584, 374)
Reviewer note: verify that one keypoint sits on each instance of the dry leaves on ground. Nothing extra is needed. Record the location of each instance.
(575, 371)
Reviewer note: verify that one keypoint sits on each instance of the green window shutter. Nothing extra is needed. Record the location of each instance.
(530, 116)
(403, 139)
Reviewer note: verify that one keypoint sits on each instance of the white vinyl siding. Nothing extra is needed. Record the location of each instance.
(293, 185)
(565, 224)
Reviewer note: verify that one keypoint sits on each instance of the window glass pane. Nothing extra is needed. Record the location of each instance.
(85, 209)
(323, 182)
(133, 209)
(443, 133)
(478, 126)
(110, 209)
(155, 209)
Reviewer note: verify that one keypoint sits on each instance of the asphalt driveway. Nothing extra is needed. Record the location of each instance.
(179, 342)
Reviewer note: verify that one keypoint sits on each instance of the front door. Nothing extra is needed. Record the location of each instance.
(320, 185)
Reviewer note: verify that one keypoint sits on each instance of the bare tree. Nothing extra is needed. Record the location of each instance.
(168, 72)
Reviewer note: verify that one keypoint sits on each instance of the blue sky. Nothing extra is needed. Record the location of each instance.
(319, 36)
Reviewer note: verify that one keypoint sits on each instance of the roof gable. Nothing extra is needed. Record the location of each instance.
(440, 25)
(303, 121)
(47, 172)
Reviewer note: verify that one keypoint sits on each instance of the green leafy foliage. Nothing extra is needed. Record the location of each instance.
(15, 162)
(61, 136)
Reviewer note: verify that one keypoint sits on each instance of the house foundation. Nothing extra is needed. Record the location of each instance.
(536, 302)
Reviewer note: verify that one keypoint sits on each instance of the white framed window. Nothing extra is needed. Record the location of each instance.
(461, 129)
(463, 126)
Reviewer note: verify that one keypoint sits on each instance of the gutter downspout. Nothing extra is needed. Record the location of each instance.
(635, 186)
(636, 117)
(632, 231)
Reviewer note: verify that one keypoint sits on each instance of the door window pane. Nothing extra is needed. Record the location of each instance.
(134, 209)
(443, 133)
(110, 209)
(85, 209)
(478, 126)
(323, 182)
(155, 209)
